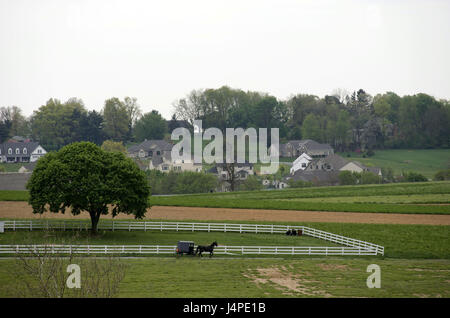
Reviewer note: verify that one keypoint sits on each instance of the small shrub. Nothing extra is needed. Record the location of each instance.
(442, 175)
(347, 178)
(413, 177)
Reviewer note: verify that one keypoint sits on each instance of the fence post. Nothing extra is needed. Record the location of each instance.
(14, 225)
(145, 226)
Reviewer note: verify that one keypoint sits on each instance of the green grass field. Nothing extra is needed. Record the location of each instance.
(158, 238)
(261, 278)
(400, 241)
(417, 198)
(416, 261)
(12, 167)
(383, 198)
(424, 161)
(416, 264)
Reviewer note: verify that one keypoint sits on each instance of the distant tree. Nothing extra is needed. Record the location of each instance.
(180, 182)
(250, 184)
(442, 175)
(388, 174)
(150, 126)
(56, 124)
(311, 128)
(347, 178)
(367, 177)
(83, 177)
(194, 182)
(134, 113)
(15, 121)
(114, 146)
(413, 177)
(116, 119)
(91, 127)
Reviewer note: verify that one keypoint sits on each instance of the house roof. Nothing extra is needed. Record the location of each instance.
(335, 161)
(157, 160)
(309, 144)
(314, 175)
(147, 145)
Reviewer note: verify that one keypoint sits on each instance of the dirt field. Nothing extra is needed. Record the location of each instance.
(11, 209)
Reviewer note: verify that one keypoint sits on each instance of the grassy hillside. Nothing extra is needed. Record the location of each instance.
(424, 161)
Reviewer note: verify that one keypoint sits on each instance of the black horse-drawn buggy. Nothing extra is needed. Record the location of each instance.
(187, 247)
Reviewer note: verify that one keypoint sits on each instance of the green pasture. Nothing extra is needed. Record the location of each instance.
(155, 237)
(260, 278)
(423, 161)
(399, 240)
(383, 198)
(416, 263)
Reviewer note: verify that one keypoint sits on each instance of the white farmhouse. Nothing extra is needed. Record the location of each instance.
(11, 152)
(300, 163)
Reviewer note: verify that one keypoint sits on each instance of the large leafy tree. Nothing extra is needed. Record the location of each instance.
(82, 177)
(91, 126)
(116, 118)
(56, 124)
(150, 126)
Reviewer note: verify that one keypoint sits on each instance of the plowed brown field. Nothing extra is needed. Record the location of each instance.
(13, 209)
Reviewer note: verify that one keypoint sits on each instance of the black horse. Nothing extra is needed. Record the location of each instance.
(210, 249)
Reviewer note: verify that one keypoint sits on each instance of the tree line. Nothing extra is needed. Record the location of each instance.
(57, 123)
(348, 121)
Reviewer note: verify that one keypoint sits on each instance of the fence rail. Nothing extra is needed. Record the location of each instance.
(146, 225)
(168, 249)
(185, 226)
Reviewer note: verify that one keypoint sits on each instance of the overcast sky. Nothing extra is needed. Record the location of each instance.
(158, 51)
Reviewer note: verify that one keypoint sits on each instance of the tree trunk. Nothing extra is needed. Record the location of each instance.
(94, 222)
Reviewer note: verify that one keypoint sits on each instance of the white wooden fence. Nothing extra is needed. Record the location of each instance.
(185, 226)
(145, 225)
(168, 249)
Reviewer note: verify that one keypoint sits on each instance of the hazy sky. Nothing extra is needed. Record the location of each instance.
(158, 51)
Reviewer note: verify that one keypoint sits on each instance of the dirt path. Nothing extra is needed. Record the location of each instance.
(9, 209)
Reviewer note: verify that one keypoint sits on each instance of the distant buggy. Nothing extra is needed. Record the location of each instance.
(185, 247)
